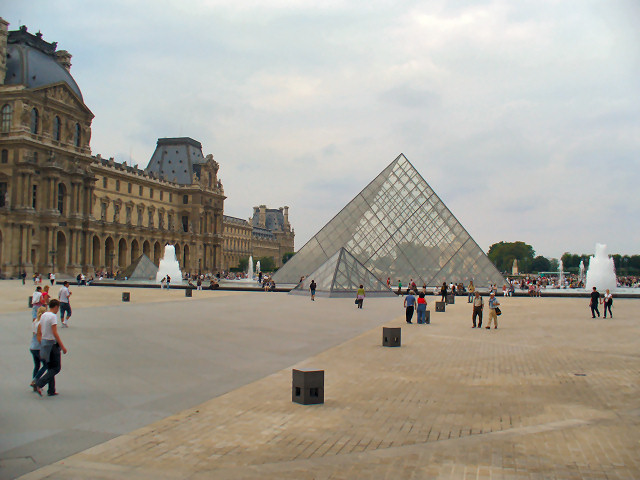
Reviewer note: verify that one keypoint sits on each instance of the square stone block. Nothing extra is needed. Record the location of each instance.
(188, 292)
(391, 336)
(440, 306)
(427, 316)
(126, 296)
(307, 387)
(451, 299)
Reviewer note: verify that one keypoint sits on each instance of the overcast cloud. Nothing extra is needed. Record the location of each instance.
(524, 116)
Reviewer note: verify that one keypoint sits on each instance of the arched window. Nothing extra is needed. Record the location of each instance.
(77, 135)
(6, 115)
(5, 156)
(57, 126)
(35, 120)
(61, 192)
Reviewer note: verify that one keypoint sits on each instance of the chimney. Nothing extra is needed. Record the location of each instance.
(286, 217)
(64, 58)
(262, 218)
(4, 34)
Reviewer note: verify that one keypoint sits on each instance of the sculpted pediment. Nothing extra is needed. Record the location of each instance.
(61, 92)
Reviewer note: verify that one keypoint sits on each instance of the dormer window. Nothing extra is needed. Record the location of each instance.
(77, 135)
(6, 114)
(35, 120)
(57, 126)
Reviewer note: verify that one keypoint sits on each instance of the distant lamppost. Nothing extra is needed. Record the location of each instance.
(111, 256)
(53, 256)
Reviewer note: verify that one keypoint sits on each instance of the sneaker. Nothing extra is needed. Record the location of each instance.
(38, 390)
(488, 328)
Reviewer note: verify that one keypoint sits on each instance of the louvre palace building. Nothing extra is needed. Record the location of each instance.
(63, 209)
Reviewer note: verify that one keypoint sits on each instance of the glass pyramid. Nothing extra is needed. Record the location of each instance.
(398, 227)
(142, 268)
(341, 276)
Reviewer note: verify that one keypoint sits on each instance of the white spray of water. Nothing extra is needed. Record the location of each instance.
(169, 266)
(601, 273)
(560, 274)
(250, 269)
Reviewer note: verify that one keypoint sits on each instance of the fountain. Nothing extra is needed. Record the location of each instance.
(581, 272)
(169, 266)
(250, 268)
(560, 274)
(258, 266)
(601, 273)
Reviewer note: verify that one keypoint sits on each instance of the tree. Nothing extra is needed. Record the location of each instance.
(540, 264)
(287, 256)
(267, 264)
(243, 264)
(504, 253)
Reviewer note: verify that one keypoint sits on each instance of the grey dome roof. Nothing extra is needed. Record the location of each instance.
(29, 66)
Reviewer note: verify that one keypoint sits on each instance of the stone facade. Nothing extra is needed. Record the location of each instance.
(267, 234)
(65, 210)
(272, 234)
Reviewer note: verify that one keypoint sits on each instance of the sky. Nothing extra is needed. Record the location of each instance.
(524, 117)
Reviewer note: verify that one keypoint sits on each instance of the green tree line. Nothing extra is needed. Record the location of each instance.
(503, 254)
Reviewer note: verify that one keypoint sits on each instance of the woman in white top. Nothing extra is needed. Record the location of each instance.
(34, 348)
(608, 301)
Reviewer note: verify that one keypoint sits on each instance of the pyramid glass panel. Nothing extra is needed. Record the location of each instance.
(341, 276)
(396, 227)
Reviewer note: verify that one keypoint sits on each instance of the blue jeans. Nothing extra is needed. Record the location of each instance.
(38, 366)
(53, 367)
(422, 313)
(65, 307)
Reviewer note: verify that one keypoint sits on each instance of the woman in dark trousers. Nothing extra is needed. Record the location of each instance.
(443, 291)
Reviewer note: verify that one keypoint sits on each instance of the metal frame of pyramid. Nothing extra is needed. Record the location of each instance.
(397, 227)
(142, 268)
(341, 276)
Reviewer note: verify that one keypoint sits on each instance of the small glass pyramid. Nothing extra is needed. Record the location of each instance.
(398, 228)
(341, 276)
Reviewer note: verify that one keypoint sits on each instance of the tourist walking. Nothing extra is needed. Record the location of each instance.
(478, 306)
(360, 296)
(443, 292)
(65, 305)
(472, 290)
(493, 311)
(44, 300)
(595, 299)
(34, 348)
(52, 278)
(168, 282)
(608, 302)
(50, 346)
(409, 305)
(36, 302)
(422, 309)
(312, 289)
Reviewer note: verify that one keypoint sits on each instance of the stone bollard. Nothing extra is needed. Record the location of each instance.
(440, 306)
(307, 387)
(391, 336)
(126, 296)
(451, 299)
(188, 292)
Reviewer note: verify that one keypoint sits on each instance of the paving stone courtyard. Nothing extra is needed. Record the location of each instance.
(171, 388)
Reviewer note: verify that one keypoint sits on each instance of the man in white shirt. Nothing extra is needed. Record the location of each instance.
(50, 346)
(65, 306)
(35, 302)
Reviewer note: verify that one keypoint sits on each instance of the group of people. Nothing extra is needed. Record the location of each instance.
(596, 299)
(46, 344)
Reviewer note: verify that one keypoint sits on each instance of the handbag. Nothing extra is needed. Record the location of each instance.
(356, 302)
(498, 311)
